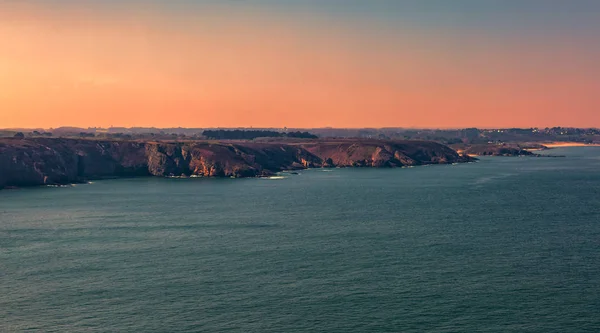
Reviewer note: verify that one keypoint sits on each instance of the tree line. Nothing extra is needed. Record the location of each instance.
(253, 134)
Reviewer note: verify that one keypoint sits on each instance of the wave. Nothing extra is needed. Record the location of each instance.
(52, 185)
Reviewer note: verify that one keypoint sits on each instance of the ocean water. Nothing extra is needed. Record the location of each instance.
(502, 245)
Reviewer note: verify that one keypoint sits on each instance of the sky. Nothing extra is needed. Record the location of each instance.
(299, 63)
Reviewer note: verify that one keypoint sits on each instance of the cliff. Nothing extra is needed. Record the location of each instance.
(381, 153)
(495, 150)
(45, 161)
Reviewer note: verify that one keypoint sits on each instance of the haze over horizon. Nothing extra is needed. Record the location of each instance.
(300, 64)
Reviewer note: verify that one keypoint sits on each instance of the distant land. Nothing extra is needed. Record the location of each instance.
(467, 136)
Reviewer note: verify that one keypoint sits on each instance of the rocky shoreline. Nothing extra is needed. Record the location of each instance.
(47, 161)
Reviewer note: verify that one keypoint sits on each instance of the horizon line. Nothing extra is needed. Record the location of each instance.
(294, 128)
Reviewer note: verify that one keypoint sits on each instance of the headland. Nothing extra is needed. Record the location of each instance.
(59, 161)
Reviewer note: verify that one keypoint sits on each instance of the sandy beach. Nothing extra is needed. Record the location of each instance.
(569, 144)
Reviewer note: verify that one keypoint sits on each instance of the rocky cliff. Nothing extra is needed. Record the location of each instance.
(30, 162)
(496, 150)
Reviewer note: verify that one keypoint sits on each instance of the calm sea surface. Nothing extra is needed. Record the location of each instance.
(502, 245)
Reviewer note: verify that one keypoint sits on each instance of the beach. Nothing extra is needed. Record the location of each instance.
(569, 144)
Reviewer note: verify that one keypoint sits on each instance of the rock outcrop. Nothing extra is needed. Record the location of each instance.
(497, 150)
(382, 153)
(45, 161)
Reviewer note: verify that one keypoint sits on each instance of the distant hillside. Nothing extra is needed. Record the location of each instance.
(445, 136)
(469, 135)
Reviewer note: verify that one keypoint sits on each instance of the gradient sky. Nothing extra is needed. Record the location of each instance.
(299, 63)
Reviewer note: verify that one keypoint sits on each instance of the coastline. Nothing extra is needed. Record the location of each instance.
(569, 144)
(49, 161)
(554, 144)
(282, 174)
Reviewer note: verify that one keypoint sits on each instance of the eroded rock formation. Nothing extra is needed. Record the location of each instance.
(30, 162)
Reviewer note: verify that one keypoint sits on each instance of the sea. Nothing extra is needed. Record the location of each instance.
(505, 244)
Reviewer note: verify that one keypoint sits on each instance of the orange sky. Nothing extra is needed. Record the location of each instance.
(102, 66)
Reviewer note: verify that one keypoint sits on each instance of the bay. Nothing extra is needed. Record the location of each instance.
(506, 244)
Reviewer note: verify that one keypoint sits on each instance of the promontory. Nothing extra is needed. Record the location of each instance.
(58, 161)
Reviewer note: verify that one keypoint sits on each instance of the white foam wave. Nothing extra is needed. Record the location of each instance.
(274, 177)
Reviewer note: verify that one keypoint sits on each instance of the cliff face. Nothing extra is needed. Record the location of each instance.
(30, 162)
(497, 150)
(379, 153)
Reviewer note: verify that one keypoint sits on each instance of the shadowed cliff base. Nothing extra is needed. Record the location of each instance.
(47, 161)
